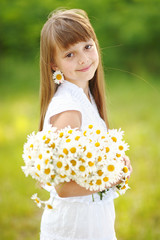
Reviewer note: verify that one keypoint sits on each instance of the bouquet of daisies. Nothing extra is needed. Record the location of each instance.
(92, 158)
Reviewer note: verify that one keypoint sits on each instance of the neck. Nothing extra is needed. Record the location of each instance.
(83, 85)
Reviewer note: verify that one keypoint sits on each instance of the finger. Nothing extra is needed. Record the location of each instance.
(129, 174)
(126, 159)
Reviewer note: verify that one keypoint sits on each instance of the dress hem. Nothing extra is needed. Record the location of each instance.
(56, 237)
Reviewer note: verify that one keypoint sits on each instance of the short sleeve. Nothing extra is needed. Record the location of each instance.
(59, 105)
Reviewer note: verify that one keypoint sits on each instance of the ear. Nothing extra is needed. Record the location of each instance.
(54, 67)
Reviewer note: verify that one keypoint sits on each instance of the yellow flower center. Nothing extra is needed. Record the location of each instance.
(125, 169)
(91, 164)
(38, 166)
(98, 182)
(105, 179)
(73, 173)
(68, 140)
(114, 139)
(73, 150)
(53, 145)
(59, 76)
(73, 162)
(44, 137)
(100, 173)
(118, 154)
(89, 154)
(48, 140)
(61, 134)
(46, 161)
(84, 133)
(97, 144)
(123, 187)
(70, 131)
(91, 183)
(47, 171)
(77, 138)
(103, 137)
(121, 148)
(53, 176)
(31, 146)
(40, 156)
(82, 160)
(59, 164)
(61, 156)
(66, 167)
(65, 151)
(82, 168)
(48, 184)
(111, 168)
(62, 176)
(49, 206)
(29, 157)
(90, 126)
(98, 131)
(99, 158)
(107, 149)
(36, 200)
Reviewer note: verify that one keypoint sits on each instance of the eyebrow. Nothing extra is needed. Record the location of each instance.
(67, 50)
(72, 48)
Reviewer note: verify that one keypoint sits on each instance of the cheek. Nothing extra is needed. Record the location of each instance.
(64, 66)
(95, 55)
(96, 58)
(67, 68)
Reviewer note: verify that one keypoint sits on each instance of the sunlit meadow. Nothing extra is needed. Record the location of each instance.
(133, 106)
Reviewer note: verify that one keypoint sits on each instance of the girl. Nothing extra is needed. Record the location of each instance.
(69, 46)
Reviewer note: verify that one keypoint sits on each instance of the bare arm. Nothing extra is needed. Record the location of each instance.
(60, 121)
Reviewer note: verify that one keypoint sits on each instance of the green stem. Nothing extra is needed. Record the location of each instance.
(101, 196)
(92, 197)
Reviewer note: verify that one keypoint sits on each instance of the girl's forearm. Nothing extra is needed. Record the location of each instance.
(72, 189)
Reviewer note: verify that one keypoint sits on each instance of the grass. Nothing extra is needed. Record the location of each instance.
(133, 106)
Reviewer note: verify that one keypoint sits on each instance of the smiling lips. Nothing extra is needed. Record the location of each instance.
(84, 69)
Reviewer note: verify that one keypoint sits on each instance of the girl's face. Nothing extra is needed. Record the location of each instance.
(78, 63)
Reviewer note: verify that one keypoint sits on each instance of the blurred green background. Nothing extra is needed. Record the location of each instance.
(129, 36)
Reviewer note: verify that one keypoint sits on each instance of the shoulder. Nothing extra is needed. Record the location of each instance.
(67, 118)
(63, 110)
(63, 101)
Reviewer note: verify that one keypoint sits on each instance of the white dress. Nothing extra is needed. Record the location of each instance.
(77, 218)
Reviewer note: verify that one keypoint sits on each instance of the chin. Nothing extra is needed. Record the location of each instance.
(91, 76)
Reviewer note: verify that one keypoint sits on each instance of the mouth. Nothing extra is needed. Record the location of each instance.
(85, 69)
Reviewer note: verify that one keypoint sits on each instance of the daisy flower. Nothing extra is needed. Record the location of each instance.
(37, 200)
(58, 77)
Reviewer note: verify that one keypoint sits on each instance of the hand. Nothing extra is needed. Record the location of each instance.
(128, 164)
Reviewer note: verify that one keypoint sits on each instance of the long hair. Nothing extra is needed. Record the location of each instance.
(63, 29)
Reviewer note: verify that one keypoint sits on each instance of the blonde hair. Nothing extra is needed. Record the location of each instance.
(64, 28)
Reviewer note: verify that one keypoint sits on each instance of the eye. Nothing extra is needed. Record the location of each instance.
(69, 55)
(88, 46)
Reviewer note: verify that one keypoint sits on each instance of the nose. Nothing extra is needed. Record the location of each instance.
(83, 59)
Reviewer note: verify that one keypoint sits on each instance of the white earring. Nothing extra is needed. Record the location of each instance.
(58, 77)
